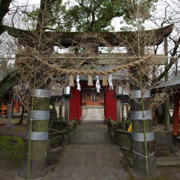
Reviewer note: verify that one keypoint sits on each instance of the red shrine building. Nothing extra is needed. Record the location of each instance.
(88, 96)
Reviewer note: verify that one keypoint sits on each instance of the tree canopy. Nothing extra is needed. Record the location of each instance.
(90, 15)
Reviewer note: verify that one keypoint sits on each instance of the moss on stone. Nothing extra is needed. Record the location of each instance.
(11, 148)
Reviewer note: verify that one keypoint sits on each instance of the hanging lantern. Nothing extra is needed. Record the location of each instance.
(67, 91)
(119, 91)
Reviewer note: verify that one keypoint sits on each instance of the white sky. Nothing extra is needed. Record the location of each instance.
(115, 21)
(25, 2)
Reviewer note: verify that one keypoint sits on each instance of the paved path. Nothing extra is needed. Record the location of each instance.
(93, 115)
(92, 156)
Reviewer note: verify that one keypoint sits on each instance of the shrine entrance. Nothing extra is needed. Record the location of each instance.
(92, 98)
(89, 42)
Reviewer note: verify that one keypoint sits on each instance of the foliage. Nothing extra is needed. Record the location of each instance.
(54, 10)
(96, 16)
(89, 15)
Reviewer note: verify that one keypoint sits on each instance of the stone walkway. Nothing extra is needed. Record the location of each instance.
(92, 156)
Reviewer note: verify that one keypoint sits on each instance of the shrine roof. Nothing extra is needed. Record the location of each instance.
(173, 83)
(66, 39)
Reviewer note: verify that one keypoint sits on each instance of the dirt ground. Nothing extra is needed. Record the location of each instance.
(12, 149)
(9, 166)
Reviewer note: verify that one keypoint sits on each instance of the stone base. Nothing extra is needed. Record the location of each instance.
(141, 175)
(19, 177)
(38, 175)
(175, 150)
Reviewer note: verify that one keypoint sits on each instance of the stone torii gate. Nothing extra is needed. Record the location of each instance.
(95, 40)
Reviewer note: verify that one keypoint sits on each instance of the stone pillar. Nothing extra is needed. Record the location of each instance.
(67, 96)
(53, 113)
(38, 133)
(138, 139)
(60, 112)
(9, 115)
(118, 109)
(127, 111)
(66, 109)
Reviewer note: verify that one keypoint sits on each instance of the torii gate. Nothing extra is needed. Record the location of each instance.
(66, 39)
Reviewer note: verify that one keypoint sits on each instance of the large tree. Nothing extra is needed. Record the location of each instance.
(170, 11)
(95, 16)
(4, 8)
(90, 15)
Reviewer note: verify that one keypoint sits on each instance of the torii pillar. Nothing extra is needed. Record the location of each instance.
(143, 139)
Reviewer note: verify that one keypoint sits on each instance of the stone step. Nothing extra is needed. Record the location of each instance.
(167, 161)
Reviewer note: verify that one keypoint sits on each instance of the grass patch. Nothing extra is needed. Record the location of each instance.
(11, 148)
(18, 129)
(5, 120)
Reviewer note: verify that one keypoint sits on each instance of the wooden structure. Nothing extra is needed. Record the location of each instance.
(93, 41)
(108, 100)
(4, 107)
(175, 85)
(66, 39)
(92, 98)
(9, 99)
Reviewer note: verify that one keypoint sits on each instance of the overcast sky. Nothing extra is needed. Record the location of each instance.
(115, 21)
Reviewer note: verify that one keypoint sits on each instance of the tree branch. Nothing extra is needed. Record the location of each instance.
(172, 61)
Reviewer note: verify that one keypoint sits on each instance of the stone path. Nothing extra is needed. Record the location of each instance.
(92, 156)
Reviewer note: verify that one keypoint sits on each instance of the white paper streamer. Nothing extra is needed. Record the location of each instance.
(110, 82)
(98, 86)
(78, 84)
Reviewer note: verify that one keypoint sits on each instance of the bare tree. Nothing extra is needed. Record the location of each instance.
(169, 13)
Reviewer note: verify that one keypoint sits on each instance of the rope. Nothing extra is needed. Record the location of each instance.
(92, 72)
(146, 157)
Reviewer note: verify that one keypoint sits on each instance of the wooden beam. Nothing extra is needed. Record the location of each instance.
(104, 39)
(113, 58)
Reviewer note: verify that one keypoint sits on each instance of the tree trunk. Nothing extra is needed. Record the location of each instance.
(22, 116)
(4, 8)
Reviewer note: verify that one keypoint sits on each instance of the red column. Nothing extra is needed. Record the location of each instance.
(176, 115)
(75, 109)
(110, 104)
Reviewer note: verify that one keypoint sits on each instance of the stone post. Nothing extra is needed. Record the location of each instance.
(67, 96)
(60, 112)
(53, 113)
(118, 109)
(39, 117)
(9, 115)
(66, 109)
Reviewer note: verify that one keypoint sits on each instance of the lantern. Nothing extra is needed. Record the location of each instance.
(119, 91)
(67, 91)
